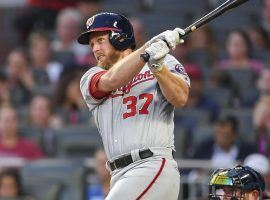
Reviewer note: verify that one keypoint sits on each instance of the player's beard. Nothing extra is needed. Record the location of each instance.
(110, 60)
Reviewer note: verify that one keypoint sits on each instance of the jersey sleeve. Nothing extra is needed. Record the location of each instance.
(176, 67)
(88, 86)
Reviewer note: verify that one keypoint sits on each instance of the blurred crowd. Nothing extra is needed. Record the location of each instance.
(226, 119)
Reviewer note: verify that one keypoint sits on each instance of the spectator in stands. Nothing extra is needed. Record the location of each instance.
(11, 185)
(19, 77)
(239, 51)
(263, 83)
(4, 91)
(11, 143)
(98, 191)
(68, 101)
(42, 123)
(39, 15)
(261, 122)
(260, 43)
(266, 16)
(262, 89)
(224, 147)
(41, 113)
(45, 70)
(259, 38)
(67, 29)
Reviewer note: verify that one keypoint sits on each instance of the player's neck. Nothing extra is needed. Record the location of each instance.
(125, 53)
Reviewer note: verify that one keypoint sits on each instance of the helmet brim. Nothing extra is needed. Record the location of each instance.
(84, 37)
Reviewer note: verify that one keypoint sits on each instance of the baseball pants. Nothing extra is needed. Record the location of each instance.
(154, 178)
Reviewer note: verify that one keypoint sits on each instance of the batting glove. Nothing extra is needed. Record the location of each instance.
(171, 37)
(157, 51)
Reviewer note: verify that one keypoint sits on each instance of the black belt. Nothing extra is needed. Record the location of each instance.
(127, 159)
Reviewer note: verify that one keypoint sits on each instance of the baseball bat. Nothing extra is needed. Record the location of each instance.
(229, 4)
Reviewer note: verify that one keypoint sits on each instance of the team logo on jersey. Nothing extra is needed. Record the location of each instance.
(90, 22)
(180, 69)
(140, 78)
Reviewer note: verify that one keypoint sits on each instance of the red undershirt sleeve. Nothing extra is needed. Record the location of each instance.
(93, 90)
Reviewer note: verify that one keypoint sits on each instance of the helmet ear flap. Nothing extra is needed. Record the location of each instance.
(118, 40)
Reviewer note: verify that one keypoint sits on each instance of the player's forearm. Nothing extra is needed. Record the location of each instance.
(122, 72)
(173, 87)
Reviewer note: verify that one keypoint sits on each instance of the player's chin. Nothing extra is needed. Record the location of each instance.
(101, 59)
(103, 64)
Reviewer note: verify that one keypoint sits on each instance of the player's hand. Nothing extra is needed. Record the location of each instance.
(157, 51)
(170, 36)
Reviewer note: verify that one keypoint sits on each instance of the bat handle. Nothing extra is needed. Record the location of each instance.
(145, 56)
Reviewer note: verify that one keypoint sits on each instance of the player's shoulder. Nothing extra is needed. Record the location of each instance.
(171, 62)
(89, 73)
(169, 57)
(92, 70)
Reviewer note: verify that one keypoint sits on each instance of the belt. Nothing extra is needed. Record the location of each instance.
(127, 159)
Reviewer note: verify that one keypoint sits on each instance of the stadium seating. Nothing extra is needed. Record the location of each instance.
(180, 141)
(32, 133)
(222, 96)
(201, 133)
(197, 116)
(77, 141)
(241, 78)
(119, 6)
(249, 96)
(54, 179)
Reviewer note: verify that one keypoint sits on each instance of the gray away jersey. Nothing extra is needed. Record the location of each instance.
(135, 116)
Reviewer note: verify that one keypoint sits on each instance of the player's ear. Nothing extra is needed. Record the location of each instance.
(255, 194)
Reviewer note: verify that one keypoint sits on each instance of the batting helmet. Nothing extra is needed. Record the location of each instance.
(238, 181)
(121, 34)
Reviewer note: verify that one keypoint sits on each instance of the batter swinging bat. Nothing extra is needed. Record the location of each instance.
(229, 4)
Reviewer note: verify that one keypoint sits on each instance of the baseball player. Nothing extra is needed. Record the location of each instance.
(238, 183)
(133, 104)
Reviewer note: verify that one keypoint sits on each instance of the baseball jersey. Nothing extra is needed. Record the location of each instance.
(135, 116)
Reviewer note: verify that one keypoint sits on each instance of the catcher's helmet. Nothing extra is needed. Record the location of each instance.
(121, 31)
(233, 183)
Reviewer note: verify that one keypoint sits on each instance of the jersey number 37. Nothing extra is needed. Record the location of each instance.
(132, 101)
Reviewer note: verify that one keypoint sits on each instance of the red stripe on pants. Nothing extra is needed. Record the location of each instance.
(153, 181)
